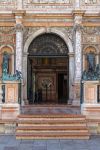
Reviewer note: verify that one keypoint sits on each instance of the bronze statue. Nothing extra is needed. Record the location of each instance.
(91, 61)
(5, 65)
(5, 70)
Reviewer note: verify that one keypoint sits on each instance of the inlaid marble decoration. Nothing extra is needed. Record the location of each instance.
(90, 1)
(11, 93)
(50, 1)
(40, 6)
(8, 4)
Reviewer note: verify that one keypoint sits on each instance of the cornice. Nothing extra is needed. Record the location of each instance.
(19, 12)
(78, 12)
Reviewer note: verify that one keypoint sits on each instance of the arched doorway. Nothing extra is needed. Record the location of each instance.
(48, 70)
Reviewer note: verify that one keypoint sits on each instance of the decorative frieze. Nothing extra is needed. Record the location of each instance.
(38, 6)
(47, 5)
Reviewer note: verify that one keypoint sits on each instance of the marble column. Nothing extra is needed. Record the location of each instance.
(19, 46)
(25, 77)
(78, 57)
(1, 92)
(19, 51)
(78, 54)
(77, 4)
(71, 76)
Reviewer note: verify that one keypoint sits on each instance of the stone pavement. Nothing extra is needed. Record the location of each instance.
(10, 143)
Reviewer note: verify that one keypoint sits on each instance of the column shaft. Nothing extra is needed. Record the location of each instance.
(19, 47)
(78, 55)
(19, 4)
(71, 76)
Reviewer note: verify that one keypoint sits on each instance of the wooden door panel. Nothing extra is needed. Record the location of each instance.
(50, 79)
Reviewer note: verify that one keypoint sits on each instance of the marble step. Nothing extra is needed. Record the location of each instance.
(53, 136)
(70, 116)
(51, 127)
(71, 124)
(38, 132)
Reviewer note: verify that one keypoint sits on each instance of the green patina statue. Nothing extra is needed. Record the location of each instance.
(93, 71)
(6, 76)
(5, 64)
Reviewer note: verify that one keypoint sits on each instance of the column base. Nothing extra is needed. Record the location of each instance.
(76, 102)
(10, 111)
(91, 111)
(76, 91)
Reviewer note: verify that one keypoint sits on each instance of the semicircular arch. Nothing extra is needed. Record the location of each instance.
(52, 31)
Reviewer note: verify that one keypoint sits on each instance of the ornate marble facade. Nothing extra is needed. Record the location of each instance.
(75, 21)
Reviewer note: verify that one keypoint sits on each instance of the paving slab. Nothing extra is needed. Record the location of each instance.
(10, 143)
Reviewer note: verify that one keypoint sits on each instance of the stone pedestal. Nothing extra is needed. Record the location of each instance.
(90, 102)
(90, 106)
(10, 109)
(90, 92)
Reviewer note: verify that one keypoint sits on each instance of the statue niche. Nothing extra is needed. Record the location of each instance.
(6, 76)
(92, 72)
(91, 61)
(5, 65)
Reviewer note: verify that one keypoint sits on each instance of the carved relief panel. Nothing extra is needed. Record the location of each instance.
(91, 35)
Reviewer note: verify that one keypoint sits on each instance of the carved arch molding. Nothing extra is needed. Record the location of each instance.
(48, 45)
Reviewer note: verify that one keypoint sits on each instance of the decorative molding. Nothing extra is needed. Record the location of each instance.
(28, 31)
(91, 30)
(7, 30)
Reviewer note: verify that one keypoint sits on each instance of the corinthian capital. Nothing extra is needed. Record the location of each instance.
(19, 27)
(78, 27)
